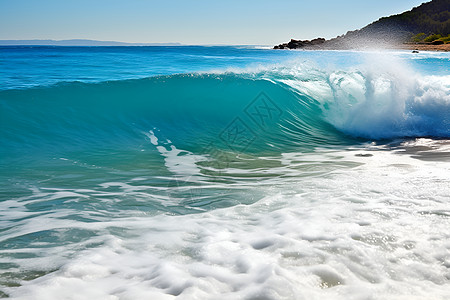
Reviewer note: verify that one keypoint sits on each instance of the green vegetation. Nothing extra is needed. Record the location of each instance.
(423, 38)
(445, 39)
(432, 38)
(418, 38)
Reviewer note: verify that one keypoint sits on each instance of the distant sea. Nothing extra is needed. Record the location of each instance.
(223, 173)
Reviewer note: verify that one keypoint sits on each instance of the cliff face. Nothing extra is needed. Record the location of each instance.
(429, 18)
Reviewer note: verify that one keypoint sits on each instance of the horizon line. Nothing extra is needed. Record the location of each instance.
(90, 42)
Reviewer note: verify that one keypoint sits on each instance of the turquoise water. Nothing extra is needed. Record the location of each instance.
(223, 172)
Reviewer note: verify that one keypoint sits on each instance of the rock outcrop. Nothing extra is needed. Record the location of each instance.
(296, 44)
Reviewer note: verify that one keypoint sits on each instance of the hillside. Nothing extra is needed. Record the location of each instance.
(425, 23)
(429, 18)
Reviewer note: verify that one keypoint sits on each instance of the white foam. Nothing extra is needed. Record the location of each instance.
(180, 162)
(374, 228)
(382, 96)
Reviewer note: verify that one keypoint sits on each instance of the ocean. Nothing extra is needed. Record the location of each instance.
(198, 172)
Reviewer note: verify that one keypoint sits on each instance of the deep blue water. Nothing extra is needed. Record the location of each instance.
(40, 65)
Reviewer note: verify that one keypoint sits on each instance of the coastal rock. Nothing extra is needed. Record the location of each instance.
(318, 41)
(296, 44)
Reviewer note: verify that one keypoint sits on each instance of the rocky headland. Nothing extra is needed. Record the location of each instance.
(426, 27)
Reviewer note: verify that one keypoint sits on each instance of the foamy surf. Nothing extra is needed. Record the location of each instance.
(375, 231)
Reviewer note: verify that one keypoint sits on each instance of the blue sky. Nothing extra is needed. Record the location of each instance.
(191, 21)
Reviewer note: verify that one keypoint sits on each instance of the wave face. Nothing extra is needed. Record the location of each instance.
(213, 173)
(274, 108)
(190, 109)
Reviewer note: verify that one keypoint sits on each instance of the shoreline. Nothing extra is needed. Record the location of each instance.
(361, 45)
(425, 47)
